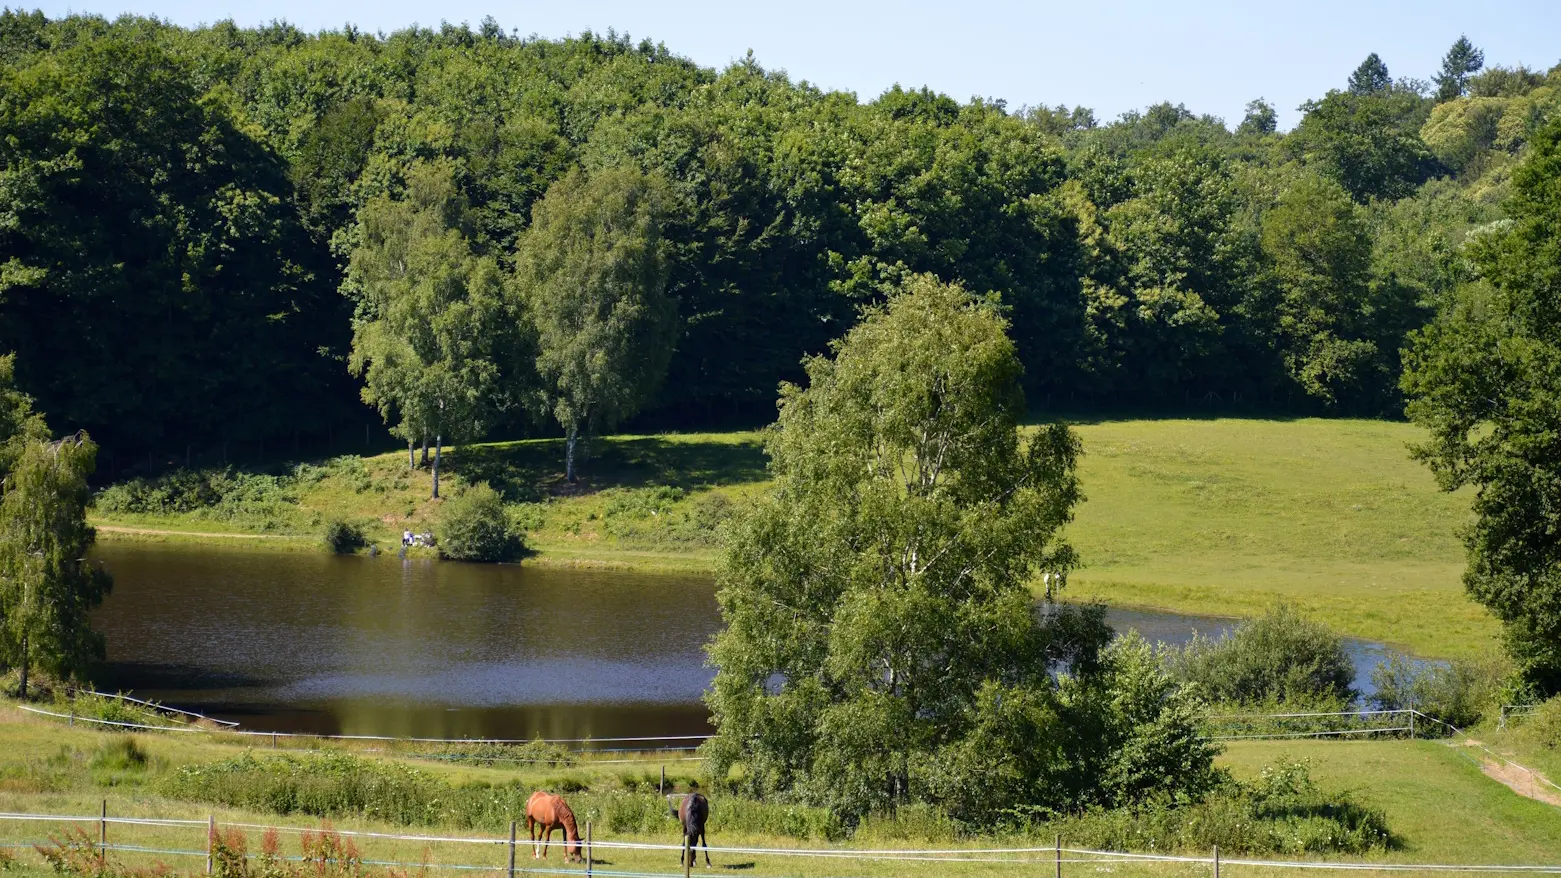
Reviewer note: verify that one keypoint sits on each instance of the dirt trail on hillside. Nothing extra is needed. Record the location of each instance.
(1523, 781)
(114, 528)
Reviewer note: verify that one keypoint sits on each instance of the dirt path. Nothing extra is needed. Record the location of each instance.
(1523, 781)
(117, 529)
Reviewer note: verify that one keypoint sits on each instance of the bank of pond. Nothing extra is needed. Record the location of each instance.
(322, 644)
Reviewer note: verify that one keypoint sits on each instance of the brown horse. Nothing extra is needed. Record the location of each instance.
(693, 813)
(549, 812)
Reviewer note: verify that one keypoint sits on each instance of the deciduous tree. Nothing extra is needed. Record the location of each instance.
(432, 325)
(877, 600)
(591, 274)
(1485, 381)
(47, 585)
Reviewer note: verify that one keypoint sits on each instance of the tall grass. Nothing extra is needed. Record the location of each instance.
(1283, 812)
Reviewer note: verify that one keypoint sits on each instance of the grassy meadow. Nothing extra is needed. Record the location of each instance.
(46, 768)
(1219, 517)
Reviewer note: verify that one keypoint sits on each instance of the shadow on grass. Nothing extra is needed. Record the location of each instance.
(529, 471)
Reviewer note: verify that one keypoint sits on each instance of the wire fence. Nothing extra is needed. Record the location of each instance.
(173, 837)
(659, 748)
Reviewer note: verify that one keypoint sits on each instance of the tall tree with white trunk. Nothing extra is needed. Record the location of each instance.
(591, 273)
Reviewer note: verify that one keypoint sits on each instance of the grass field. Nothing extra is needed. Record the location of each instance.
(1439, 806)
(1219, 517)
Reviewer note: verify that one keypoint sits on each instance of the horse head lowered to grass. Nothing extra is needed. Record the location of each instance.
(547, 812)
(693, 812)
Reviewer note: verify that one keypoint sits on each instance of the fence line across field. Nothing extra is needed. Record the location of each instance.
(1029, 856)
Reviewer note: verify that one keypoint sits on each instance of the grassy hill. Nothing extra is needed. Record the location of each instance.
(1220, 517)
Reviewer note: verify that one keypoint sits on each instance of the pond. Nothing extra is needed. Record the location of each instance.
(384, 646)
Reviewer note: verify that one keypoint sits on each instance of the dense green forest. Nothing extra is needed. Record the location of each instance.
(192, 221)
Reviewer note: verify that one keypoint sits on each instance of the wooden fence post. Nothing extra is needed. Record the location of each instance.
(211, 838)
(1412, 724)
(1216, 861)
(662, 789)
(103, 837)
(1059, 855)
(512, 849)
(688, 855)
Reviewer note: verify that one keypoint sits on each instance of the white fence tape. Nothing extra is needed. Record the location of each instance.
(1015, 855)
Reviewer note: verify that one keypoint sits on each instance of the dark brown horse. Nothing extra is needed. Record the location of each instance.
(693, 813)
(548, 812)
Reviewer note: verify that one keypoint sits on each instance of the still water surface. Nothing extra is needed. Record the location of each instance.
(356, 645)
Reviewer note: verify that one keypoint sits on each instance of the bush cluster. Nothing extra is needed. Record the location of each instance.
(1461, 692)
(1280, 656)
(1544, 727)
(343, 537)
(664, 515)
(267, 502)
(1283, 812)
(474, 526)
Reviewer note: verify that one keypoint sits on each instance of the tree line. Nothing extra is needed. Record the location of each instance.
(201, 238)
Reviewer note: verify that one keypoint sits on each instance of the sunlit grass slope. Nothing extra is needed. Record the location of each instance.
(1227, 516)
(1207, 516)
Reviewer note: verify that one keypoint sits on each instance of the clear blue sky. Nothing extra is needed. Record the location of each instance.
(1111, 55)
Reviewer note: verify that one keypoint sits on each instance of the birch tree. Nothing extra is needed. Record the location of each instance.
(431, 325)
(47, 586)
(882, 586)
(592, 275)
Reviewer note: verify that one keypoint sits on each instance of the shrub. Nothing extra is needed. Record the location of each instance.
(473, 526)
(1280, 656)
(536, 752)
(1114, 737)
(1283, 812)
(1461, 693)
(1544, 727)
(343, 537)
(264, 501)
(118, 762)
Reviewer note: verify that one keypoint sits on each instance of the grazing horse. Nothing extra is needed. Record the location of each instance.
(693, 813)
(548, 812)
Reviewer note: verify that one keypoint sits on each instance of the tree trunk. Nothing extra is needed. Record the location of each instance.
(411, 456)
(22, 689)
(437, 446)
(424, 461)
(569, 454)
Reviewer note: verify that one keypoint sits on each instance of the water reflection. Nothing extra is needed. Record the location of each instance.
(383, 646)
(356, 645)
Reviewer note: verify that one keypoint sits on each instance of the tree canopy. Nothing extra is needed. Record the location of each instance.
(592, 278)
(432, 322)
(47, 585)
(1485, 380)
(880, 643)
(186, 206)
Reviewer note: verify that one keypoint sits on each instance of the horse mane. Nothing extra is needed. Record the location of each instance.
(571, 829)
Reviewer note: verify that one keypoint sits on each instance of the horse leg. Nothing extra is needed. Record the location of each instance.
(548, 840)
(704, 840)
(531, 830)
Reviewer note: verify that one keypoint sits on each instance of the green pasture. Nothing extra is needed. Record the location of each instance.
(1439, 805)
